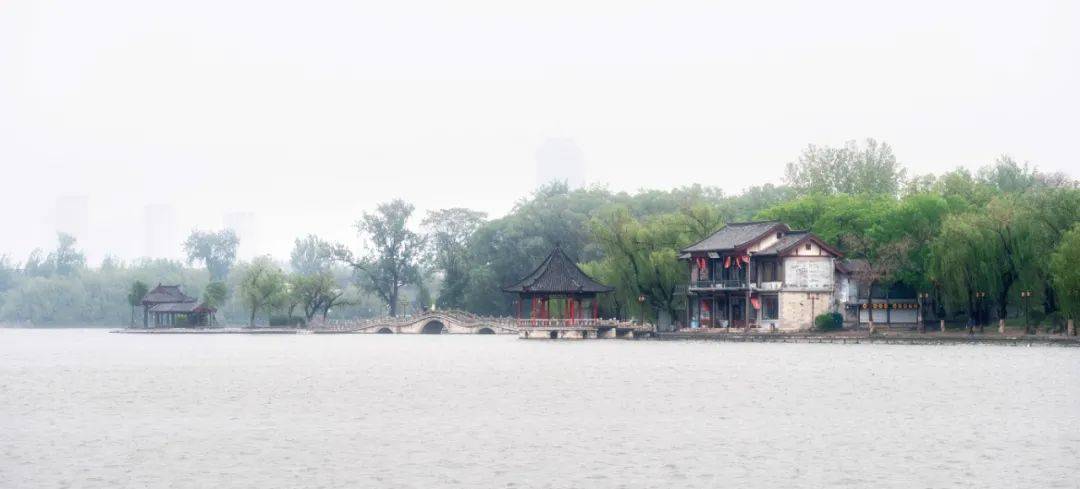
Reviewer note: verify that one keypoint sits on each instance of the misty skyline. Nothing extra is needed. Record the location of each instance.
(304, 116)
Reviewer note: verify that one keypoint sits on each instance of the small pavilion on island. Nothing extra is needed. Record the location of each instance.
(170, 307)
(558, 300)
(557, 289)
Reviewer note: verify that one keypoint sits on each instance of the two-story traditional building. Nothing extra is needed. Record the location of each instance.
(763, 275)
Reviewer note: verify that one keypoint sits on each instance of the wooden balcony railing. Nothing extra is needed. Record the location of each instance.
(717, 285)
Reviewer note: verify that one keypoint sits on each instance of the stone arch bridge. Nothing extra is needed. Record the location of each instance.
(429, 322)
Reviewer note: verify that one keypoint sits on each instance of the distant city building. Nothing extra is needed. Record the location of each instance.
(160, 239)
(73, 216)
(560, 160)
(246, 228)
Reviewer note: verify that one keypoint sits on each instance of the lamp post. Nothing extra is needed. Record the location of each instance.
(922, 304)
(641, 309)
(1026, 296)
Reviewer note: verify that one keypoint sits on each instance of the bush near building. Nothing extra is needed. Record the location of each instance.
(830, 321)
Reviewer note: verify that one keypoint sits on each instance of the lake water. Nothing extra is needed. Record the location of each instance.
(87, 409)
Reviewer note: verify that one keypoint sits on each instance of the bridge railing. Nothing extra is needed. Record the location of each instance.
(461, 317)
(575, 323)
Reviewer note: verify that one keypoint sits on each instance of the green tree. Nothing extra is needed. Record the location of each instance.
(66, 260)
(262, 286)
(215, 294)
(1007, 176)
(216, 250)
(138, 290)
(832, 217)
(392, 251)
(311, 256)
(8, 273)
(852, 169)
(1066, 273)
(449, 233)
(1046, 214)
(316, 293)
(642, 257)
(960, 261)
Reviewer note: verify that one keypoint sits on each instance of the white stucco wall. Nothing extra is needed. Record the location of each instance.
(808, 272)
(797, 310)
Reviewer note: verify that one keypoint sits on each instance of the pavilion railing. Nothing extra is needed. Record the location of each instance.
(574, 323)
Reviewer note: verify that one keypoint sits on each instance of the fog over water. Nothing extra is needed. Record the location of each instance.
(83, 408)
(294, 118)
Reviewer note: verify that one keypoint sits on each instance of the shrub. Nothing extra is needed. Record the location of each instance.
(830, 321)
(287, 321)
(1036, 317)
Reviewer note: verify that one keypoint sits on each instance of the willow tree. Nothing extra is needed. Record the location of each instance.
(1066, 273)
(960, 261)
(262, 286)
(641, 256)
(1048, 214)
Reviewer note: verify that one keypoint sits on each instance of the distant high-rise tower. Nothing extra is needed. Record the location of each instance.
(560, 160)
(245, 227)
(73, 216)
(161, 241)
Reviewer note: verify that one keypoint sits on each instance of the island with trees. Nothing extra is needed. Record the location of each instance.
(1000, 242)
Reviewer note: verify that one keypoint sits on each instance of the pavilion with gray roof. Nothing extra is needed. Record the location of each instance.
(169, 306)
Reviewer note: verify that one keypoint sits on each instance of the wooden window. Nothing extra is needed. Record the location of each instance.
(770, 307)
(768, 272)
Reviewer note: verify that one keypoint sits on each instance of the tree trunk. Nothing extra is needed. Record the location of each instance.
(393, 300)
(1003, 296)
(252, 322)
(870, 304)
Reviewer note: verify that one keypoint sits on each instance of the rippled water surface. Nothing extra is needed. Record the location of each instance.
(85, 408)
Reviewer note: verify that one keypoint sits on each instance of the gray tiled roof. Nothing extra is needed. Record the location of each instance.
(787, 241)
(734, 235)
(558, 274)
(165, 294)
(177, 307)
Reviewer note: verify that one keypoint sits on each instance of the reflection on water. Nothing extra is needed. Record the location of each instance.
(84, 408)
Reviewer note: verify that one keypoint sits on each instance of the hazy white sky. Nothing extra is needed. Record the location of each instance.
(308, 113)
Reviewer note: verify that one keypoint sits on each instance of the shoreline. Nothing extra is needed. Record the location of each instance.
(845, 338)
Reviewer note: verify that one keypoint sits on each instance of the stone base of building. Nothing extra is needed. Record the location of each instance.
(576, 333)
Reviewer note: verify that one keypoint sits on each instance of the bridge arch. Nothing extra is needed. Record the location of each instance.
(385, 331)
(433, 327)
(485, 330)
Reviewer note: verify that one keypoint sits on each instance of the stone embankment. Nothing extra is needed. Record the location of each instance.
(889, 339)
(211, 331)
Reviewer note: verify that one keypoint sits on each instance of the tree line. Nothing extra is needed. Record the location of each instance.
(978, 243)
